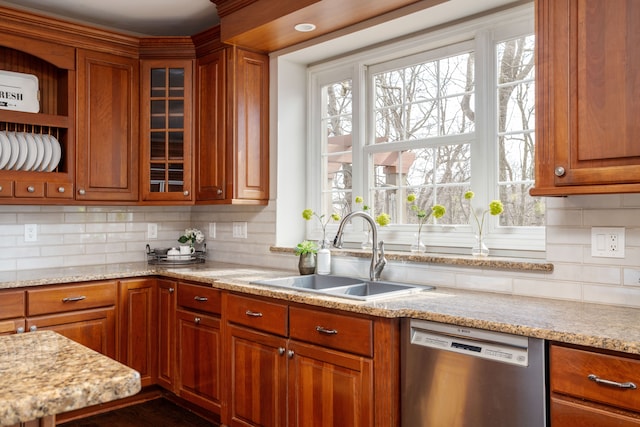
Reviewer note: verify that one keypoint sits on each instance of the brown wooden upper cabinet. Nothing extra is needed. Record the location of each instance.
(49, 177)
(588, 97)
(166, 130)
(233, 132)
(107, 149)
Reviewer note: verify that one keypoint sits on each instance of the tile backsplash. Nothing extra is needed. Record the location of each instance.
(69, 236)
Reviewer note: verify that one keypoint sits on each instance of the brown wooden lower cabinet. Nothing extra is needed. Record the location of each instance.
(92, 328)
(593, 388)
(166, 333)
(328, 387)
(198, 359)
(257, 377)
(137, 327)
(287, 366)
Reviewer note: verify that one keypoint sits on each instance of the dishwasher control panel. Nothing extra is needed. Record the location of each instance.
(491, 345)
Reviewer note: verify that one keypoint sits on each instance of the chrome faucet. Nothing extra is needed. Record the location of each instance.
(377, 262)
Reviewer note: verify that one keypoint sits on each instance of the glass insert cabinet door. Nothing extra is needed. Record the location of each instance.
(167, 126)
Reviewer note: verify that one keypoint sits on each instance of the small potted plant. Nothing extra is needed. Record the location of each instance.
(307, 251)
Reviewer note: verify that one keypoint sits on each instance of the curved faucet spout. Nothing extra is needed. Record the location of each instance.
(377, 262)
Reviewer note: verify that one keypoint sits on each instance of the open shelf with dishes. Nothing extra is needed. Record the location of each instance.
(38, 141)
(37, 146)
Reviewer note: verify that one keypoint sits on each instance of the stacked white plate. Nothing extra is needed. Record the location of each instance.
(23, 151)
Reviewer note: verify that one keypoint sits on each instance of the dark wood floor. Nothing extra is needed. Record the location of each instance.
(154, 413)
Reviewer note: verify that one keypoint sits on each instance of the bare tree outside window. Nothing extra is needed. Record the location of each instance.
(424, 136)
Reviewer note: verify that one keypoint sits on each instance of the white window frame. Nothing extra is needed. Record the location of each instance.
(479, 35)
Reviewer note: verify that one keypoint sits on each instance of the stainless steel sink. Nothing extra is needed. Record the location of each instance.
(344, 287)
(310, 282)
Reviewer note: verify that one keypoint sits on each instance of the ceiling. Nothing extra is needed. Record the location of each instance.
(141, 17)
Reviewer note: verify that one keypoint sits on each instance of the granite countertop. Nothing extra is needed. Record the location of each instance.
(594, 325)
(43, 373)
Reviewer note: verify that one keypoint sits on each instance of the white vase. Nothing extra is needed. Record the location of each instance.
(323, 260)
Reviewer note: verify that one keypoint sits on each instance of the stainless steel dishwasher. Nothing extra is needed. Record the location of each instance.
(454, 376)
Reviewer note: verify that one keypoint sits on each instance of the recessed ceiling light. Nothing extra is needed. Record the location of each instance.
(305, 27)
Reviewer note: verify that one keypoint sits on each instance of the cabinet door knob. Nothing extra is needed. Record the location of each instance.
(60, 189)
(20, 330)
(33, 328)
(31, 189)
(81, 192)
(171, 290)
(186, 192)
(1, 188)
(197, 320)
(559, 171)
(219, 192)
(281, 350)
(290, 353)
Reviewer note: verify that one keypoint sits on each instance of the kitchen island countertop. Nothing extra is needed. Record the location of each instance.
(594, 325)
(43, 373)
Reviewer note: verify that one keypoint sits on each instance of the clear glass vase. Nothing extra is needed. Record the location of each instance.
(417, 246)
(479, 248)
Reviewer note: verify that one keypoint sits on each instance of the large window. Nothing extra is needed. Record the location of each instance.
(437, 120)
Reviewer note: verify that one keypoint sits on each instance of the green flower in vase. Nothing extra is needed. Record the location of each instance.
(495, 208)
(437, 211)
(307, 214)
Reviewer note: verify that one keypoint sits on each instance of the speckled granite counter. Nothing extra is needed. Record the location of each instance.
(601, 326)
(43, 373)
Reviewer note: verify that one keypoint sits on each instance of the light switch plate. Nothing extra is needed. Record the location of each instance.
(240, 230)
(607, 242)
(212, 230)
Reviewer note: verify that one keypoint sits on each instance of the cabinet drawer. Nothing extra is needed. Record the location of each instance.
(338, 331)
(11, 304)
(29, 189)
(69, 298)
(199, 298)
(60, 190)
(257, 314)
(6, 188)
(570, 413)
(571, 368)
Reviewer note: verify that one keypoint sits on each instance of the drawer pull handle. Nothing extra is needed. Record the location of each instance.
(31, 189)
(253, 313)
(60, 189)
(599, 380)
(73, 299)
(326, 331)
(201, 299)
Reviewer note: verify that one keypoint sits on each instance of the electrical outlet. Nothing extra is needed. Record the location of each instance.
(31, 232)
(212, 230)
(152, 231)
(240, 230)
(607, 242)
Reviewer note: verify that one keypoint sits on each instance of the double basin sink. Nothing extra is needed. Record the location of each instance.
(345, 287)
